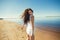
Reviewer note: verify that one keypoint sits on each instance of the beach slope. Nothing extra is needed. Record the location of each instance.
(13, 31)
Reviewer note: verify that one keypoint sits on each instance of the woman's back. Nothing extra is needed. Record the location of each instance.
(29, 24)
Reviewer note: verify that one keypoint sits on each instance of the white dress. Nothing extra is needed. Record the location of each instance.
(29, 30)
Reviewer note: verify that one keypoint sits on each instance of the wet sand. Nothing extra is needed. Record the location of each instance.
(13, 31)
(44, 34)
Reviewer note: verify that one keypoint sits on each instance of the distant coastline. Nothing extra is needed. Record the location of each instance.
(1, 18)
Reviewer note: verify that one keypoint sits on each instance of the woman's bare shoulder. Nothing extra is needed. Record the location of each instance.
(32, 16)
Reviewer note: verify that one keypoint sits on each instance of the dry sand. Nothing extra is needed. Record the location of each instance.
(13, 31)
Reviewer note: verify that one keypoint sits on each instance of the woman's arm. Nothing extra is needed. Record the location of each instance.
(32, 21)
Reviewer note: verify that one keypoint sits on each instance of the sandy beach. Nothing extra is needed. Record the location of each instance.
(12, 31)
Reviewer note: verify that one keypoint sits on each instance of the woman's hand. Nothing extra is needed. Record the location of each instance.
(22, 28)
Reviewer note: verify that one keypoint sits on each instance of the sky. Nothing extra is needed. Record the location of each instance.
(41, 8)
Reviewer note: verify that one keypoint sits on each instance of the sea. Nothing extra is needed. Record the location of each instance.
(39, 23)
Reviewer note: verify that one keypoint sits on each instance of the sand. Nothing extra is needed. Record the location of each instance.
(12, 31)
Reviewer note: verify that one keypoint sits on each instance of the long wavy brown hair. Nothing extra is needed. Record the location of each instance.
(26, 15)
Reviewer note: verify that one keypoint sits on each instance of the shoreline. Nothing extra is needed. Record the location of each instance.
(49, 29)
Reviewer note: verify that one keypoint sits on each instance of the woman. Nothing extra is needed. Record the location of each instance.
(28, 19)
